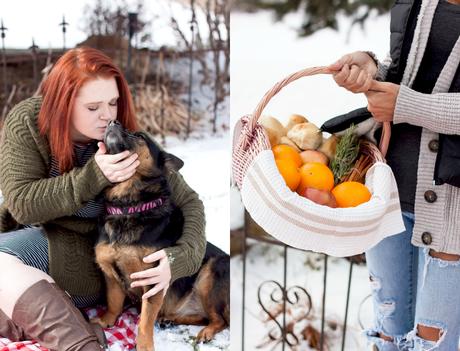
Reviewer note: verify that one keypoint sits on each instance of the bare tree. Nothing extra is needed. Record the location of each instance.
(216, 20)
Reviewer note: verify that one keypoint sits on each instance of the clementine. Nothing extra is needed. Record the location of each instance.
(290, 173)
(283, 152)
(315, 175)
(351, 194)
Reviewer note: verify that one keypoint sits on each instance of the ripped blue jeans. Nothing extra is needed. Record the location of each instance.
(410, 288)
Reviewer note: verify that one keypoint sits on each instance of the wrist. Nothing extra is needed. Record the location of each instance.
(374, 60)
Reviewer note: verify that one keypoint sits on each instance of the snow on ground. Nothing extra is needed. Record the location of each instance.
(262, 53)
(265, 263)
(181, 338)
(206, 169)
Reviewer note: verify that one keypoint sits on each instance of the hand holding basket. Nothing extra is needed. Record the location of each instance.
(297, 221)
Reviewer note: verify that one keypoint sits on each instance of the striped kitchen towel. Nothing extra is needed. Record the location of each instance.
(301, 223)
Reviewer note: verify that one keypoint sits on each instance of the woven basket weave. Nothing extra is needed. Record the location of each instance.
(296, 220)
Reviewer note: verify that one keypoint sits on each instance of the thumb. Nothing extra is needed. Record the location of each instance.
(337, 66)
(102, 149)
(158, 255)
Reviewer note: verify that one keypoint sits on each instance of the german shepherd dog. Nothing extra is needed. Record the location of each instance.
(140, 219)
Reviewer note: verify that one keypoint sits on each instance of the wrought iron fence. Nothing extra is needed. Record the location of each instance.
(287, 296)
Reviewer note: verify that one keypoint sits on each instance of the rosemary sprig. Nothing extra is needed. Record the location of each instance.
(346, 153)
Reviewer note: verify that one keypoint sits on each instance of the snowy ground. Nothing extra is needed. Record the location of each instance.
(262, 53)
(206, 170)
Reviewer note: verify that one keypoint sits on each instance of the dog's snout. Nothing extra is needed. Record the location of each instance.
(114, 122)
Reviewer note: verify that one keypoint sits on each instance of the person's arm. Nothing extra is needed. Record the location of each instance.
(186, 256)
(31, 196)
(437, 112)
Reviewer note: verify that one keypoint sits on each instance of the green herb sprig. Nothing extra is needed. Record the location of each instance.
(345, 156)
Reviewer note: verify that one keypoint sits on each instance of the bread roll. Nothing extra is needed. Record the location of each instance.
(275, 130)
(295, 119)
(328, 147)
(307, 136)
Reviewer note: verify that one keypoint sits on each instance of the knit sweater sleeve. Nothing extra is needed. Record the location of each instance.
(186, 256)
(382, 66)
(30, 195)
(439, 112)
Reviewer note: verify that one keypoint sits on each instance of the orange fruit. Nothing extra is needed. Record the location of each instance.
(315, 175)
(351, 194)
(290, 173)
(283, 152)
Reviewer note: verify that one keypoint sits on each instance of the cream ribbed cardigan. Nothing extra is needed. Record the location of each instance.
(438, 112)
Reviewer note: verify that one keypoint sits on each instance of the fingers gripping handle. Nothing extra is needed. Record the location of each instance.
(386, 131)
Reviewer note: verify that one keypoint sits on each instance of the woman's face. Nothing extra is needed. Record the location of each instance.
(95, 105)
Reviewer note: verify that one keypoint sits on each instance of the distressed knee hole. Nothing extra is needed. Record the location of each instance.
(387, 308)
(385, 337)
(375, 283)
(429, 333)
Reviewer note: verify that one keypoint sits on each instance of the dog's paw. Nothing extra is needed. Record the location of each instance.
(101, 322)
(144, 345)
(205, 335)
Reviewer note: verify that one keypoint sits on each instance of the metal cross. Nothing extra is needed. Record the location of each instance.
(3, 29)
(34, 48)
(63, 24)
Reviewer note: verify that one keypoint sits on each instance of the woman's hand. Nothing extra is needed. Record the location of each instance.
(354, 71)
(381, 100)
(118, 167)
(160, 276)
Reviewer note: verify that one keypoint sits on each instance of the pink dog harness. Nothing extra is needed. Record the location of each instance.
(134, 209)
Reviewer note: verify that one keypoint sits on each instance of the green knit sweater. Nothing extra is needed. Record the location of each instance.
(32, 197)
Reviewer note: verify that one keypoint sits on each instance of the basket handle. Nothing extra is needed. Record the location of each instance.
(386, 130)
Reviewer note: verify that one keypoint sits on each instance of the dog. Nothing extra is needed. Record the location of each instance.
(140, 219)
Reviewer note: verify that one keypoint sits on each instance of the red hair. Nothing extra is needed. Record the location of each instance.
(71, 71)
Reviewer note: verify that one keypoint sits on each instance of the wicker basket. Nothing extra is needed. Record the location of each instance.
(298, 221)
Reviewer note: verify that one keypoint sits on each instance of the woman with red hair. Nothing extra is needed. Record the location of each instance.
(53, 168)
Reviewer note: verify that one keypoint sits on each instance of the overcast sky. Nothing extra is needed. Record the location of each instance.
(40, 19)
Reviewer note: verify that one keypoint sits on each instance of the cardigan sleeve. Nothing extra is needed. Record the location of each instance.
(382, 67)
(186, 256)
(30, 195)
(438, 112)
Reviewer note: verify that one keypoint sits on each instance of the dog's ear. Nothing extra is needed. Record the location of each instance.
(171, 162)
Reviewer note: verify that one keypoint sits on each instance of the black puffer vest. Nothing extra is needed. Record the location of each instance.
(404, 15)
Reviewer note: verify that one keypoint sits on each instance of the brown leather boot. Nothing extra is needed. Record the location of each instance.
(45, 313)
(8, 329)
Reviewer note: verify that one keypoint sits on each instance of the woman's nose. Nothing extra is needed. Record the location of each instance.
(106, 114)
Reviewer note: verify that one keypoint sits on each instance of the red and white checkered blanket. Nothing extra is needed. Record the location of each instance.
(122, 334)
